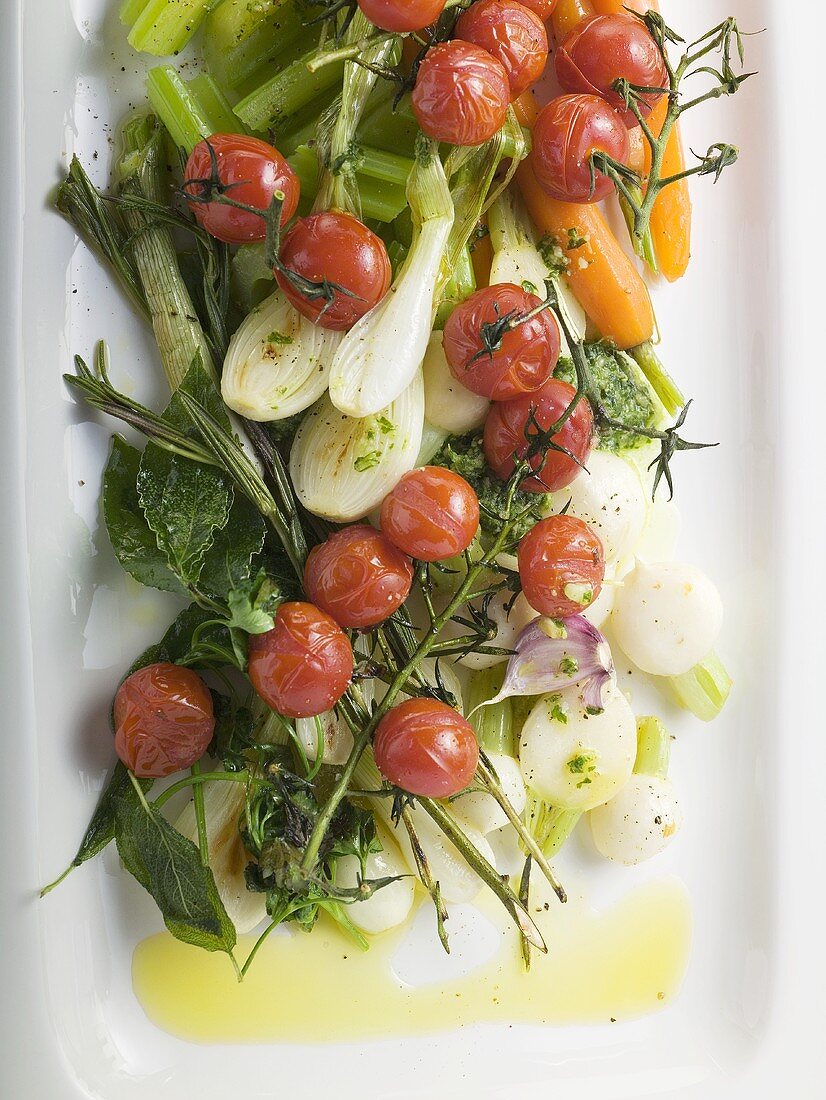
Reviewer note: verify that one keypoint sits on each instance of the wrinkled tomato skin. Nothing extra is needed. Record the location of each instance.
(163, 720)
(528, 353)
(341, 249)
(606, 48)
(252, 171)
(543, 8)
(505, 436)
(511, 33)
(461, 94)
(426, 748)
(303, 666)
(358, 577)
(432, 514)
(567, 131)
(560, 551)
(402, 16)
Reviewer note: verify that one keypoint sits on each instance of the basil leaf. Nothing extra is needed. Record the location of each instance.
(132, 539)
(169, 867)
(228, 563)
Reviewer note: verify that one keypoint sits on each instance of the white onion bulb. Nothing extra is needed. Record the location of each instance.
(638, 822)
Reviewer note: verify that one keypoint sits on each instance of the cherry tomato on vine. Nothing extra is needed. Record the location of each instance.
(496, 361)
(250, 171)
(163, 720)
(432, 514)
(426, 748)
(568, 130)
(461, 94)
(340, 249)
(606, 48)
(358, 576)
(543, 8)
(511, 33)
(561, 566)
(505, 436)
(402, 16)
(303, 666)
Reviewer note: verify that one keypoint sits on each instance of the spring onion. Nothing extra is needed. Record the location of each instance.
(449, 404)
(493, 723)
(704, 689)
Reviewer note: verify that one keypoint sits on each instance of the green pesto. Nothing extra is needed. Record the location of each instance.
(623, 394)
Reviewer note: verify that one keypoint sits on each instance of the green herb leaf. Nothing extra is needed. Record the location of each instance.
(253, 604)
(228, 563)
(132, 539)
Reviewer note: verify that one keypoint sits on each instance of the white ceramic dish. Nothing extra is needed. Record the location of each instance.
(749, 1020)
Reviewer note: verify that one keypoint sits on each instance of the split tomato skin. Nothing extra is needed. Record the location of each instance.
(426, 748)
(606, 48)
(511, 33)
(402, 16)
(358, 577)
(561, 566)
(338, 248)
(461, 94)
(164, 720)
(432, 514)
(543, 8)
(528, 353)
(567, 132)
(303, 666)
(505, 429)
(252, 172)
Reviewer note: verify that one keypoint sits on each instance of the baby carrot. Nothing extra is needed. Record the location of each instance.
(569, 14)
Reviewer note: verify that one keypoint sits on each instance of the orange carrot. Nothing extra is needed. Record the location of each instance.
(569, 14)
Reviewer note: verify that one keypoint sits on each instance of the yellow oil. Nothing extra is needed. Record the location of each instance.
(624, 962)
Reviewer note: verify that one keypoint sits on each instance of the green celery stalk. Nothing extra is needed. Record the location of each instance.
(382, 127)
(653, 747)
(381, 181)
(218, 108)
(130, 10)
(164, 27)
(242, 38)
(704, 689)
(287, 92)
(302, 127)
(178, 107)
(550, 825)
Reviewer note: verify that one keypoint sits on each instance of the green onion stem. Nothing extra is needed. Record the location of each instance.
(494, 724)
(704, 689)
(658, 377)
(653, 747)
(551, 825)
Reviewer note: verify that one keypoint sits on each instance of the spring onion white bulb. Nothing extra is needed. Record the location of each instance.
(223, 806)
(342, 467)
(432, 440)
(638, 822)
(447, 403)
(480, 809)
(278, 362)
(667, 617)
(610, 498)
(383, 351)
(574, 759)
(390, 905)
(335, 735)
(510, 621)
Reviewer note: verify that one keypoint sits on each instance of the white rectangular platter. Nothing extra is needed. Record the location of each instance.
(741, 334)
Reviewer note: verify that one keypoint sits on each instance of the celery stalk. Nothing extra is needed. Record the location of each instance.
(658, 377)
(653, 747)
(130, 10)
(178, 107)
(164, 27)
(385, 128)
(284, 94)
(302, 127)
(216, 105)
(241, 38)
(381, 181)
(704, 689)
(550, 825)
(494, 724)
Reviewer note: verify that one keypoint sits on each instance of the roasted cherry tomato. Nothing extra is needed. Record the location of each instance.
(543, 8)
(426, 748)
(505, 436)
(568, 130)
(432, 514)
(561, 566)
(163, 720)
(511, 33)
(358, 576)
(461, 94)
(251, 172)
(339, 249)
(495, 360)
(606, 48)
(402, 16)
(302, 666)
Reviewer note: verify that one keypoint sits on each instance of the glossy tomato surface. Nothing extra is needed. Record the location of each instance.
(505, 435)
(402, 15)
(607, 48)
(163, 720)
(432, 514)
(358, 576)
(567, 131)
(561, 566)
(511, 33)
(303, 665)
(543, 8)
(250, 171)
(426, 748)
(526, 355)
(461, 94)
(340, 249)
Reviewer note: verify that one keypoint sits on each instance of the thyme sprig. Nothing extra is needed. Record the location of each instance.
(639, 193)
